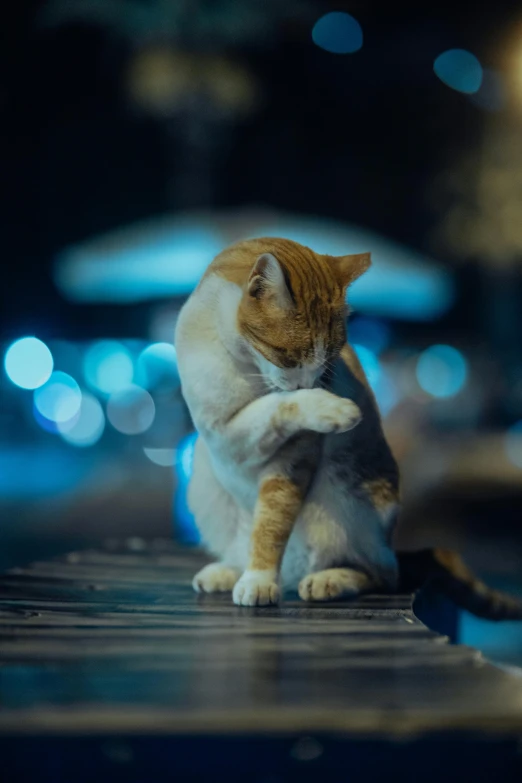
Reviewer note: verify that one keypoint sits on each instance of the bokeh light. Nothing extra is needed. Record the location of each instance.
(513, 444)
(441, 371)
(87, 427)
(28, 363)
(338, 32)
(47, 424)
(59, 399)
(386, 393)
(185, 456)
(157, 366)
(492, 93)
(108, 366)
(163, 457)
(459, 69)
(185, 528)
(370, 364)
(131, 411)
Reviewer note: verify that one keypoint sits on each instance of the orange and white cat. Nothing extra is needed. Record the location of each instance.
(291, 483)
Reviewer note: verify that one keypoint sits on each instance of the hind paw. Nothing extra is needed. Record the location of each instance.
(333, 583)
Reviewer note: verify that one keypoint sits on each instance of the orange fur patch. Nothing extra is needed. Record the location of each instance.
(287, 337)
(277, 507)
(381, 492)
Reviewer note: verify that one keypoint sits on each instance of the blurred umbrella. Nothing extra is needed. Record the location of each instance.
(166, 258)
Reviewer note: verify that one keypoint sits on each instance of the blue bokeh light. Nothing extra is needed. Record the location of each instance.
(386, 393)
(59, 399)
(492, 93)
(513, 444)
(131, 410)
(460, 70)
(370, 364)
(338, 32)
(28, 363)
(441, 371)
(87, 427)
(185, 526)
(157, 366)
(108, 366)
(160, 456)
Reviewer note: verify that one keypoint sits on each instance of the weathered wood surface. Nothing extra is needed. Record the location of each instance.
(116, 642)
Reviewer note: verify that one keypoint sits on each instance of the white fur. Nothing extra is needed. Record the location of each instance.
(228, 391)
(256, 588)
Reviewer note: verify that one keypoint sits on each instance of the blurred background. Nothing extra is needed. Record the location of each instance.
(139, 137)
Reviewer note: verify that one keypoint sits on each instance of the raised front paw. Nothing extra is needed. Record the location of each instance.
(256, 588)
(215, 578)
(326, 413)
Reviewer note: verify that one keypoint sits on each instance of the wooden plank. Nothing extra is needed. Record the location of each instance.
(116, 641)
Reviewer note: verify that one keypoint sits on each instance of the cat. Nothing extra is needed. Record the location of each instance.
(293, 486)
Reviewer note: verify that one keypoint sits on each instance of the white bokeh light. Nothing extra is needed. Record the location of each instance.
(28, 363)
(131, 411)
(157, 366)
(87, 428)
(108, 366)
(59, 399)
(163, 457)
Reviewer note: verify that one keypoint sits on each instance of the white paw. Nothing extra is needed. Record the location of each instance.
(330, 584)
(256, 588)
(215, 578)
(327, 413)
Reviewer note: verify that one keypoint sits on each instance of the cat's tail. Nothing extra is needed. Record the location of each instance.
(448, 573)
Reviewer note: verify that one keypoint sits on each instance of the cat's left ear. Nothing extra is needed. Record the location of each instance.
(267, 278)
(349, 268)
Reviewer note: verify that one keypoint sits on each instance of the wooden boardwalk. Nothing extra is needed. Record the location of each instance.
(104, 645)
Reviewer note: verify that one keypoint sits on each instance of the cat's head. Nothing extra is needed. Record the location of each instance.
(293, 311)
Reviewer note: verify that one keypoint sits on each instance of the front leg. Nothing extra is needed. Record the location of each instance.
(260, 429)
(276, 510)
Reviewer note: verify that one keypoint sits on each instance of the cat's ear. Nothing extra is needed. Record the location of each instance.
(349, 268)
(267, 278)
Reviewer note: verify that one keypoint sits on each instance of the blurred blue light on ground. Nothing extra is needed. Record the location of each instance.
(28, 363)
(157, 366)
(185, 526)
(441, 371)
(87, 427)
(370, 364)
(338, 32)
(108, 366)
(492, 93)
(459, 69)
(370, 333)
(59, 399)
(131, 410)
(513, 444)
(163, 457)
